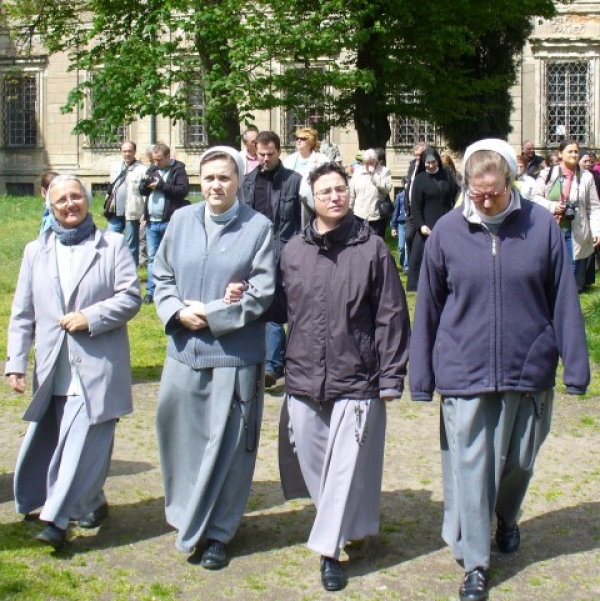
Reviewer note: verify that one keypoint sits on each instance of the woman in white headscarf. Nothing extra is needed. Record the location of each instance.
(496, 307)
(212, 390)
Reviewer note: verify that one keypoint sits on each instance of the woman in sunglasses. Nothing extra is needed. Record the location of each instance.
(306, 159)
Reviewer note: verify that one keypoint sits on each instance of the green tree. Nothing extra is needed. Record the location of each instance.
(335, 62)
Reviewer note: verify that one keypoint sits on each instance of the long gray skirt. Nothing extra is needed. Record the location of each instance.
(208, 425)
(63, 463)
(489, 445)
(340, 449)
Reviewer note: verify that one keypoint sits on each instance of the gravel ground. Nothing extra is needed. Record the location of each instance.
(133, 552)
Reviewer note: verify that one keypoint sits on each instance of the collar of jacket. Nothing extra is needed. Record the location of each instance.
(350, 231)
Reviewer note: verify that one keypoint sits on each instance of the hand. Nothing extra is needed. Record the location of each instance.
(152, 185)
(597, 242)
(17, 382)
(74, 322)
(193, 317)
(394, 233)
(234, 292)
(387, 399)
(425, 230)
(559, 208)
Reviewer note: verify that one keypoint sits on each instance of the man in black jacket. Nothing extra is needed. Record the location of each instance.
(274, 191)
(165, 187)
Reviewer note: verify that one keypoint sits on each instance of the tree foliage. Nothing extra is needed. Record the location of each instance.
(339, 62)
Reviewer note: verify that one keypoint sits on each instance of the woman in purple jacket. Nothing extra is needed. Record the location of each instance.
(497, 305)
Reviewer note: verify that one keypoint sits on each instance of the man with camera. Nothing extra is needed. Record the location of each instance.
(165, 185)
(124, 205)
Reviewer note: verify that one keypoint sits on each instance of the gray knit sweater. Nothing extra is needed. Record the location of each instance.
(186, 268)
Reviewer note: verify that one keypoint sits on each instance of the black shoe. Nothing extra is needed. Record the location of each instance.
(332, 575)
(270, 379)
(148, 299)
(474, 586)
(52, 535)
(508, 538)
(93, 518)
(214, 556)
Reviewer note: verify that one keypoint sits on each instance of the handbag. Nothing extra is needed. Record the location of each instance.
(385, 207)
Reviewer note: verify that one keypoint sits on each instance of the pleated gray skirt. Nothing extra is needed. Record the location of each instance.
(208, 426)
(63, 463)
(489, 445)
(340, 448)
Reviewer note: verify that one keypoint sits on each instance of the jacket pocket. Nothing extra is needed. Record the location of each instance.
(541, 360)
(448, 364)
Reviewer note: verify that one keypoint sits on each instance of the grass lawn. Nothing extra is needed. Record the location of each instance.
(132, 556)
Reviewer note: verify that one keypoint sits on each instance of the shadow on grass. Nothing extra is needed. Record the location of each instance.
(118, 467)
(6, 487)
(127, 524)
(566, 531)
(410, 527)
(147, 374)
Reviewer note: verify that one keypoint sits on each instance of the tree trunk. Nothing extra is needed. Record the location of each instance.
(370, 107)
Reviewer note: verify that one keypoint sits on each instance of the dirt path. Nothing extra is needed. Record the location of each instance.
(133, 553)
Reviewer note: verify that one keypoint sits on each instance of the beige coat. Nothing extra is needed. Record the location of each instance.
(367, 190)
(586, 225)
(134, 205)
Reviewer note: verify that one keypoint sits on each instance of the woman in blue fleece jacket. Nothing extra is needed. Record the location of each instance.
(497, 306)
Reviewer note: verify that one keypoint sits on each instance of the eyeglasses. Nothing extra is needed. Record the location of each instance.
(326, 193)
(61, 203)
(300, 139)
(493, 196)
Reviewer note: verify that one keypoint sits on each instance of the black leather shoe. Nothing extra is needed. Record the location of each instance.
(52, 535)
(148, 299)
(214, 556)
(474, 586)
(332, 575)
(270, 379)
(94, 518)
(508, 538)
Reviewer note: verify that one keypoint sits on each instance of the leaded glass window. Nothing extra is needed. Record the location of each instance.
(568, 102)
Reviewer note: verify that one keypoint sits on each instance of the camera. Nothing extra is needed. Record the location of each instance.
(146, 180)
(569, 213)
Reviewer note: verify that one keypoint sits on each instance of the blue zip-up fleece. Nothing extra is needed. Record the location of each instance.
(494, 312)
(186, 268)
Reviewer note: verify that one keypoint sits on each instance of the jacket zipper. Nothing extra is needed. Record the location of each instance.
(495, 303)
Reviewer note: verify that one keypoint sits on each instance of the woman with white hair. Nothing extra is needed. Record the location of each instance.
(371, 182)
(77, 290)
(496, 307)
(212, 386)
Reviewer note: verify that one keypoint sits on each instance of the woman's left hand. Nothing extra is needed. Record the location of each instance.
(74, 322)
(234, 292)
(597, 242)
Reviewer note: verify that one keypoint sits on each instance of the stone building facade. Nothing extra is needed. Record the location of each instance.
(557, 96)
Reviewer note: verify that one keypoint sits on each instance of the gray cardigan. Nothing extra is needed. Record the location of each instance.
(185, 269)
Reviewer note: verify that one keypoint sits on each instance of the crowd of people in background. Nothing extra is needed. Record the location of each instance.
(301, 241)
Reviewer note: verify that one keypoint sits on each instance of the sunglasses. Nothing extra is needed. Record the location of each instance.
(300, 139)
